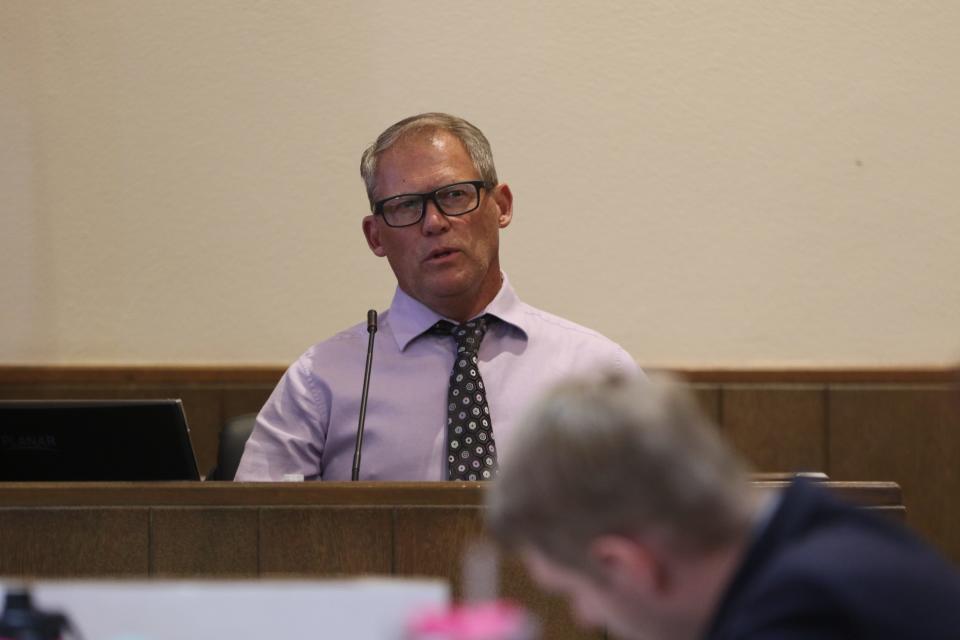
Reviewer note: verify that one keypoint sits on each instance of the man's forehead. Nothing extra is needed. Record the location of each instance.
(422, 135)
(419, 154)
(438, 138)
(424, 141)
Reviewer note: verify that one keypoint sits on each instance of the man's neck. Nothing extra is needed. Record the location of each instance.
(714, 573)
(464, 308)
(699, 584)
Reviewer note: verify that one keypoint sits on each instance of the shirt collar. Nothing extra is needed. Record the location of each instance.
(410, 318)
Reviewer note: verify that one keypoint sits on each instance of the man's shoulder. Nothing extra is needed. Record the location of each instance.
(587, 347)
(333, 349)
(843, 563)
(854, 548)
(551, 325)
(835, 540)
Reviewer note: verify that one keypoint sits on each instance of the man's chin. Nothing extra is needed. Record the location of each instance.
(448, 285)
(449, 296)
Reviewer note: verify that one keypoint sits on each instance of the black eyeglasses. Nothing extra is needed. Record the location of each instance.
(452, 200)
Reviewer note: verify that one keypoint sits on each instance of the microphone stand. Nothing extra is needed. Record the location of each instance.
(372, 330)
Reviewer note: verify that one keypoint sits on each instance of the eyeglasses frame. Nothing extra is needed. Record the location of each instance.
(428, 196)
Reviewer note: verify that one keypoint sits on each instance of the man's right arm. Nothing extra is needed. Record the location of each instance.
(290, 430)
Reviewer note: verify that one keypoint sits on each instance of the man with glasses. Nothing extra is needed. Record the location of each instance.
(457, 354)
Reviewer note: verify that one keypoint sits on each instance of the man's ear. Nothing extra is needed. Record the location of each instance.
(627, 563)
(371, 231)
(503, 197)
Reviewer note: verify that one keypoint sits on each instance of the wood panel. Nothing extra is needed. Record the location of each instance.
(204, 542)
(428, 540)
(270, 374)
(140, 374)
(778, 428)
(708, 397)
(909, 435)
(329, 541)
(750, 403)
(820, 375)
(192, 493)
(82, 543)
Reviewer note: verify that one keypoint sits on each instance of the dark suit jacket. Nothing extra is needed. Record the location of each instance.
(823, 569)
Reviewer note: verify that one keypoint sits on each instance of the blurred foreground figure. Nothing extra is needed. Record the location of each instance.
(620, 496)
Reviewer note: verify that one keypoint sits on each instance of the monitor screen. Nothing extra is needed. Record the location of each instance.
(95, 440)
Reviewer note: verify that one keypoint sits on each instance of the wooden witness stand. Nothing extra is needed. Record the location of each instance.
(314, 529)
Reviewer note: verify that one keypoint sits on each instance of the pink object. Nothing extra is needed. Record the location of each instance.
(498, 620)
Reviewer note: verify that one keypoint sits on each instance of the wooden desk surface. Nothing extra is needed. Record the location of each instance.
(385, 494)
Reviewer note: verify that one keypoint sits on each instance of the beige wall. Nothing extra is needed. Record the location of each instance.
(738, 184)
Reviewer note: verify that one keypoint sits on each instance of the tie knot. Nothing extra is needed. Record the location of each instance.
(469, 335)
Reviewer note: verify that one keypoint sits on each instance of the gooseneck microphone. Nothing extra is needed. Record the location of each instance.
(372, 330)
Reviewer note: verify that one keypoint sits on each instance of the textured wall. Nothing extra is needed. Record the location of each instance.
(750, 183)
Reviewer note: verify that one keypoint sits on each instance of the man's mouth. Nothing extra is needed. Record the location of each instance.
(440, 254)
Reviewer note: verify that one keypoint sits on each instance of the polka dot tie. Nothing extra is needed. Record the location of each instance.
(471, 452)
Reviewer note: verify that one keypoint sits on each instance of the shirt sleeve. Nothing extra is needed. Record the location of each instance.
(290, 430)
(625, 363)
(608, 356)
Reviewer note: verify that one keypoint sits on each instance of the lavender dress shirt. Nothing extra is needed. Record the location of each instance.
(308, 426)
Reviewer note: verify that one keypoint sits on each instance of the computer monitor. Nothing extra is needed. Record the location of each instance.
(95, 440)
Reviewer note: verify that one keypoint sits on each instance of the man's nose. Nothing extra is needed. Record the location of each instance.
(433, 219)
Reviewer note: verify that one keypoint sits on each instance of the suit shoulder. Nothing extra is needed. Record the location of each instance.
(855, 567)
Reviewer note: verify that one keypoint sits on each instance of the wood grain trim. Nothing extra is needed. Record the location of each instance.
(933, 375)
(865, 494)
(266, 374)
(140, 374)
(240, 493)
(345, 494)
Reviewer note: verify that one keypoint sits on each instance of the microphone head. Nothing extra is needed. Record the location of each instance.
(371, 321)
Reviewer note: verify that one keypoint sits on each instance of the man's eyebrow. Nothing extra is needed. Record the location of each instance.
(420, 193)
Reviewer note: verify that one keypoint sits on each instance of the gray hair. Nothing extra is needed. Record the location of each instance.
(476, 144)
(619, 456)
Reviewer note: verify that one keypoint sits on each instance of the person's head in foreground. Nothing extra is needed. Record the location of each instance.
(621, 496)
